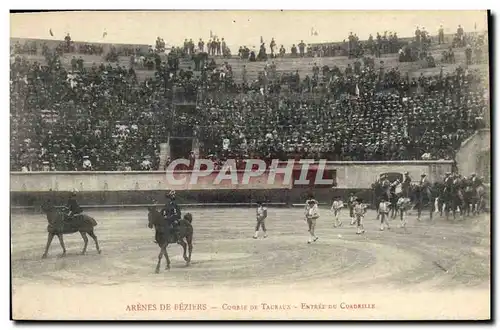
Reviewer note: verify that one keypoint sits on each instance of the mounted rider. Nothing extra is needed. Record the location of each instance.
(457, 180)
(475, 181)
(172, 213)
(73, 208)
(448, 184)
(424, 182)
(448, 179)
(480, 181)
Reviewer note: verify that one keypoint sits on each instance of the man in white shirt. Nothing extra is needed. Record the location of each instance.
(312, 214)
(383, 210)
(225, 144)
(46, 167)
(261, 214)
(403, 205)
(359, 214)
(87, 165)
(146, 164)
(337, 205)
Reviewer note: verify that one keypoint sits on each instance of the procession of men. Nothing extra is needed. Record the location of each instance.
(455, 193)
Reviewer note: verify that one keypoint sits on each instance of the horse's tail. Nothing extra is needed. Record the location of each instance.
(188, 217)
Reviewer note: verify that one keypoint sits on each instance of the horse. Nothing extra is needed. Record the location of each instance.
(394, 204)
(469, 199)
(478, 199)
(396, 191)
(58, 226)
(456, 199)
(156, 220)
(422, 196)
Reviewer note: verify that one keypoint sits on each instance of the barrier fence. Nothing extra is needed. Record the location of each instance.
(199, 187)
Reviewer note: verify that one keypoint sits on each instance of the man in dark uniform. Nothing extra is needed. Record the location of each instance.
(447, 189)
(171, 213)
(73, 208)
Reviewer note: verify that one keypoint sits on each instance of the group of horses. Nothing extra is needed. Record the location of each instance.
(461, 198)
(59, 225)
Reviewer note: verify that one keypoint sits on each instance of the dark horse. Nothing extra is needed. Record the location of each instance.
(457, 200)
(166, 237)
(422, 197)
(58, 226)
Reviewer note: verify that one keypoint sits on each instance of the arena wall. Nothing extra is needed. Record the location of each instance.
(126, 188)
(474, 154)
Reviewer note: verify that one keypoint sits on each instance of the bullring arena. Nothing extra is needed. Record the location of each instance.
(104, 119)
(429, 269)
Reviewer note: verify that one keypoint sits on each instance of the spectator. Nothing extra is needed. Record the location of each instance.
(441, 35)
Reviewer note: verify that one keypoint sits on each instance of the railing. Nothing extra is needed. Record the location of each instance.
(344, 175)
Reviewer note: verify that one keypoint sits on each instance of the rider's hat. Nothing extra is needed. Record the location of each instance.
(170, 193)
(406, 173)
(473, 174)
(423, 174)
(447, 173)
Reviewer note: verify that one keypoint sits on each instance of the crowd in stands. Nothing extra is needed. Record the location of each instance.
(103, 118)
(440, 113)
(104, 113)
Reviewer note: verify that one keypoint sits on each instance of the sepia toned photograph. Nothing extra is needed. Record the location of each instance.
(250, 165)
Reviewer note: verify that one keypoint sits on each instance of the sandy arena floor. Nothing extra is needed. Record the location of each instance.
(431, 270)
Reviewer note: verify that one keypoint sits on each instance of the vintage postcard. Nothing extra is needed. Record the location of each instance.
(256, 165)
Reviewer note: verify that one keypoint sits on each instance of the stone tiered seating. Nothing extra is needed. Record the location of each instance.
(287, 64)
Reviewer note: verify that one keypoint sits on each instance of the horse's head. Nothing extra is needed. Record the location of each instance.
(52, 213)
(46, 207)
(152, 216)
(188, 217)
